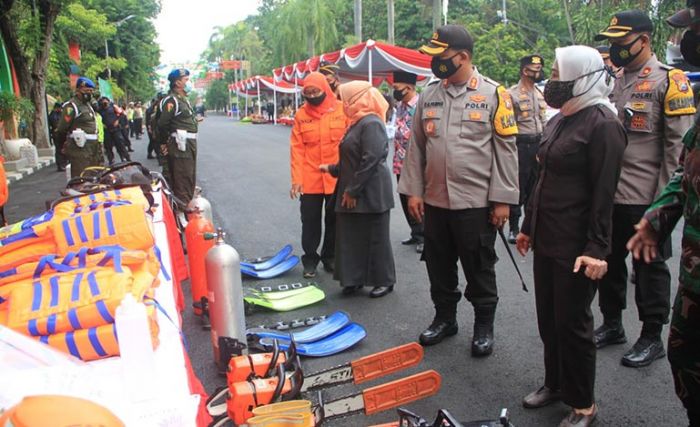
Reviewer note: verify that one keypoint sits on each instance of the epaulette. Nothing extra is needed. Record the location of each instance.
(491, 81)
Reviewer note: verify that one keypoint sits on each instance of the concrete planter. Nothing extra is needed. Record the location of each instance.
(12, 147)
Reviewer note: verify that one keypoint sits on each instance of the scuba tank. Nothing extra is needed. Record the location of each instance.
(226, 308)
(197, 248)
(199, 203)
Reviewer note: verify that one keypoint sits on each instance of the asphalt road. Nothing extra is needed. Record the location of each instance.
(244, 170)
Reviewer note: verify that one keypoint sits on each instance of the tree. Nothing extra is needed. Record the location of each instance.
(216, 97)
(27, 28)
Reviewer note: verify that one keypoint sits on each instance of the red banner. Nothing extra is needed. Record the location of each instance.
(230, 65)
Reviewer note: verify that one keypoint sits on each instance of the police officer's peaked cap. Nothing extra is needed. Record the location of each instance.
(178, 73)
(84, 82)
(531, 60)
(684, 17)
(449, 37)
(623, 23)
(604, 51)
(328, 68)
(404, 77)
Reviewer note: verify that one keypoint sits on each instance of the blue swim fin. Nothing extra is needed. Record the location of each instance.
(327, 327)
(340, 341)
(275, 271)
(268, 263)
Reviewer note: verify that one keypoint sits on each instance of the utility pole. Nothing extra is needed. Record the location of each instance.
(505, 15)
(437, 14)
(116, 24)
(390, 18)
(358, 20)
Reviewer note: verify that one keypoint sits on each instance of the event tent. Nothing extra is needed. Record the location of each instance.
(372, 60)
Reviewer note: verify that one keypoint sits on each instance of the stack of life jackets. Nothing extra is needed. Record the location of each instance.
(64, 273)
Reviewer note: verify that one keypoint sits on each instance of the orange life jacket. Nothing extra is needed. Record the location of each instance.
(41, 411)
(93, 343)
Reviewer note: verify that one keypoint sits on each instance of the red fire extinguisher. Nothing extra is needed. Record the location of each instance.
(197, 248)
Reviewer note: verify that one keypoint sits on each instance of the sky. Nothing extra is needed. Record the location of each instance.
(184, 26)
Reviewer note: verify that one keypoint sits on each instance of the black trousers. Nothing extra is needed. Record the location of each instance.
(565, 321)
(61, 160)
(652, 281)
(152, 149)
(527, 174)
(311, 208)
(468, 236)
(416, 227)
(138, 127)
(114, 140)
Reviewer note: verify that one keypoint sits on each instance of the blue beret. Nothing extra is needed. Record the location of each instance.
(177, 73)
(85, 82)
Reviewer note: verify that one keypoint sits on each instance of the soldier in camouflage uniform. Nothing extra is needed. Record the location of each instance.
(176, 117)
(681, 198)
(81, 148)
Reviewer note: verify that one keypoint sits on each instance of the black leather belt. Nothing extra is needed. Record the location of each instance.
(528, 139)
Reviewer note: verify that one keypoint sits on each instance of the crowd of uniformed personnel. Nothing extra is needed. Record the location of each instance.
(84, 132)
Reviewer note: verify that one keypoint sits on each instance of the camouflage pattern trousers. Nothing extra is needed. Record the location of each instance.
(684, 351)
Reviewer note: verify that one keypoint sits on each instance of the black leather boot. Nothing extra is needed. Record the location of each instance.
(648, 347)
(438, 331)
(482, 342)
(610, 332)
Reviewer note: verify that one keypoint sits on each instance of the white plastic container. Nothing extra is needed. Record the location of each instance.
(68, 172)
(136, 350)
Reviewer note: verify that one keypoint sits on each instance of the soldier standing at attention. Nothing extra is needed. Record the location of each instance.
(78, 129)
(461, 176)
(177, 133)
(531, 115)
(655, 105)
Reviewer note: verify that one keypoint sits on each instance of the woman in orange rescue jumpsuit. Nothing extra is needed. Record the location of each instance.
(319, 126)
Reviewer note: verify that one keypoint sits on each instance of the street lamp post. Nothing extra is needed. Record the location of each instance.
(116, 24)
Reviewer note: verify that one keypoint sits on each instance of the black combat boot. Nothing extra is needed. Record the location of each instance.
(610, 332)
(647, 348)
(482, 342)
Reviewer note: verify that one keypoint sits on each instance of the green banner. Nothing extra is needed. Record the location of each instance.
(105, 88)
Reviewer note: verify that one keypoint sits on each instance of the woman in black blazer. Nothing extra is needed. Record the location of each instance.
(364, 196)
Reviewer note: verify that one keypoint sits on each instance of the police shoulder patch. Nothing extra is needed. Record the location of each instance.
(504, 120)
(679, 98)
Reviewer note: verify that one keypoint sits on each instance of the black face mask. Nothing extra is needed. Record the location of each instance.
(317, 100)
(557, 93)
(398, 95)
(537, 77)
(87, 97)
(444, 68)
(690, 48)
(621, 55)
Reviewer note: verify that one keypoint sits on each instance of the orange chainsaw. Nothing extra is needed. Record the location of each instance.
(262, 379)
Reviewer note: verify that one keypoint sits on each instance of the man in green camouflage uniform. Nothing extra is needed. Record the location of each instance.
(177, 136)
(681, 198)
(78, 129)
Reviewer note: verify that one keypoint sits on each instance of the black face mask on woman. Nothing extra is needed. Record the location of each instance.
(557, 92)
(316, 100)
(444, 68)
(690, 48)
